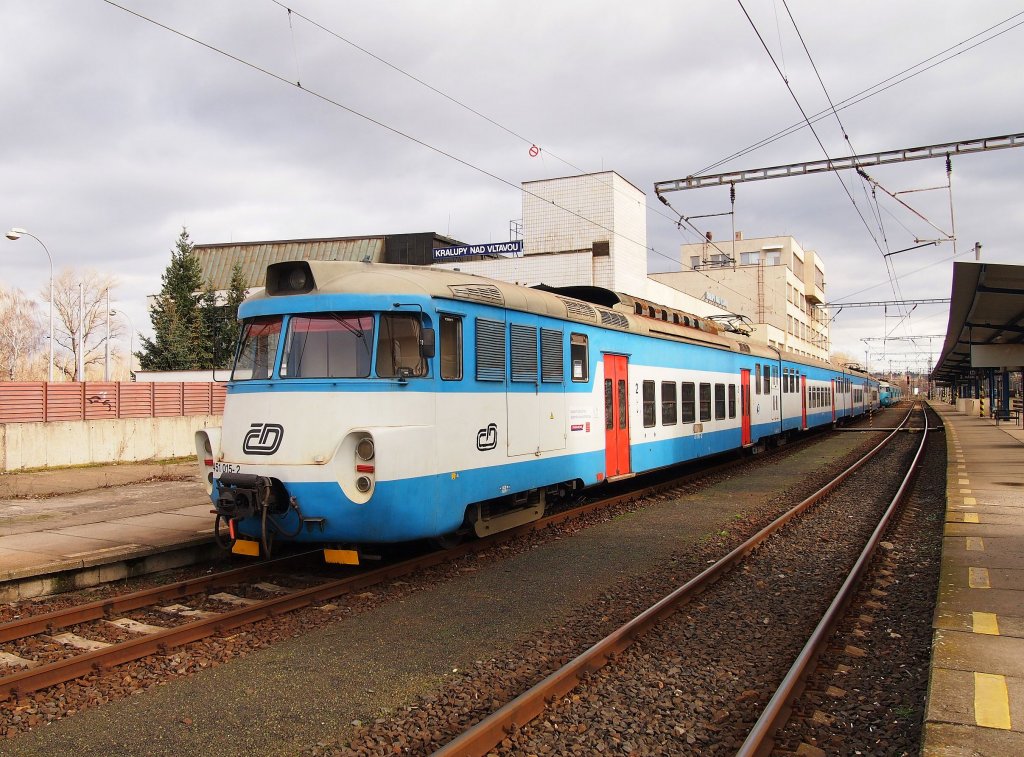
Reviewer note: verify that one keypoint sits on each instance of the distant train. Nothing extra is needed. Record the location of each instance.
(888, 394)
(378, 403)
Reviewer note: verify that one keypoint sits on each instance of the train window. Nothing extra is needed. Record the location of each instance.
(524, 353)
(451, 347)
(767, 379)
(622, 403)
(668, 403)
(609, 405)
(328, 345)
(578, 354)
(398, 346)
(705, 402)
(757, 378)
(687, 403)
(552, 362)
(649, 404)
(490, 350)
(719, 401)
(732, 400)
(260, 337)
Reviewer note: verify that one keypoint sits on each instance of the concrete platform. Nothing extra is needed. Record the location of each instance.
(77, 527)
(976, 692)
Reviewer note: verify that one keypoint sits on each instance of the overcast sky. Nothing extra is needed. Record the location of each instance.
(115, 133)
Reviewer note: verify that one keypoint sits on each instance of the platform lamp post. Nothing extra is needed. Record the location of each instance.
(17, 233)
(131, 336)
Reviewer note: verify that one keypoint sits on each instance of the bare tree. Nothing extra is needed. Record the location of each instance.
(91, 318)
(21, 335)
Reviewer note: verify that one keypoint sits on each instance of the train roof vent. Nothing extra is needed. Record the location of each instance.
(486, 293)
(744, 347)
(579, 309)
(608, 318)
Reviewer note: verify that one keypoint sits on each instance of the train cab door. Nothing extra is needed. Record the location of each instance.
(833, 400)
(745, 405)
(803, 402)
(616, 415)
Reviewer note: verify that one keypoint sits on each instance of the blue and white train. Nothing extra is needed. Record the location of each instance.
(378, 403)
(889, 394)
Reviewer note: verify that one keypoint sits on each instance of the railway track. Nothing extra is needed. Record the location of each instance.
(39, 651)
(574, 690)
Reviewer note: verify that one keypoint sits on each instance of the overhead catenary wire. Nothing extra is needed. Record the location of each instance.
(875, 89)
(395, 131)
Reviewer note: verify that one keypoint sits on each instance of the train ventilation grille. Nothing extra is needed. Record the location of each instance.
(608, 318)
(744, 348)
(478, 293)
(579, 309)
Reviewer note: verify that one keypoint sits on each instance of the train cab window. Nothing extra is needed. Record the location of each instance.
(328, 345)
(719, 402)
(732, 400)
(451, 347)
(757, 378)
(552, 360)
(687, 403)
(398, 346)
(260, 337)
(649, 404)
(668, 403)
(705, 402)
(579, 357)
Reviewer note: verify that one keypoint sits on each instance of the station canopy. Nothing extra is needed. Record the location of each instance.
(986, 321)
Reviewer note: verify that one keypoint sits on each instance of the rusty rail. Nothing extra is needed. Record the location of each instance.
(482, 737)
(776, 713)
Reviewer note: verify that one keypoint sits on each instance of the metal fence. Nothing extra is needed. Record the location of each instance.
(39, 401)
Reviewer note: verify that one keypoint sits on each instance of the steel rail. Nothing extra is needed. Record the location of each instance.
(60, 671)
(482, 737)
(102, 608)
(760, 740)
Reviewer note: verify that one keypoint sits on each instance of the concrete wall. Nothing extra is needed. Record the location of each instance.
(62, 443)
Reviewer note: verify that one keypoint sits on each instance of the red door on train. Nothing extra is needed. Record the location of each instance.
(745, 404)
(616, 415)
(803, 402)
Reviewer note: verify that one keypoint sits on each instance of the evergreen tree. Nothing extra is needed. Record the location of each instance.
(237, 291)
(178, 325)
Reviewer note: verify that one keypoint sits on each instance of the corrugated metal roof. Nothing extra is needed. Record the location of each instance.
(218, 260)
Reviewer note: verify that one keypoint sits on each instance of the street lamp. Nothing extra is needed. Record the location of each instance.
(17, 233)
(131, 337)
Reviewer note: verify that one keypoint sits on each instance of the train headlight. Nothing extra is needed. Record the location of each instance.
(364, 449)
(291, 277)
(363, 484)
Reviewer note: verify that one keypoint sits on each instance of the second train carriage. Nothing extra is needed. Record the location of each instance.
(379, 403)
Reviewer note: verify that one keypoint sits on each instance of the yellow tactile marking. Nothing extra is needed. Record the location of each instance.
(977, 578)
(965, 491)
(964, 481)
(985, 622)
(975, 544)
(970, 501)
(991, 701)
(970, 517)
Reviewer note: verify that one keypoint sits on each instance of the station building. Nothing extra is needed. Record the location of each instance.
(772, 281)
(590, 231)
